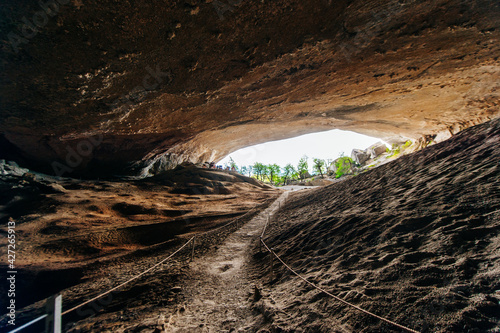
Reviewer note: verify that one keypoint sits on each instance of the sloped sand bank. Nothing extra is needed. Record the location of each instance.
(416, 241)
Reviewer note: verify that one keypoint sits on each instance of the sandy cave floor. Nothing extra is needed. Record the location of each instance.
(220, 295)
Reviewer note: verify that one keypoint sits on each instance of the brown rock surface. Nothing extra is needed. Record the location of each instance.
(268, 70)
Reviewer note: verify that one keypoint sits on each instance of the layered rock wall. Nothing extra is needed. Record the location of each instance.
(100, 86)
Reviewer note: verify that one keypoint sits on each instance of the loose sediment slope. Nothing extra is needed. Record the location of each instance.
(68, 230)
(416, 241)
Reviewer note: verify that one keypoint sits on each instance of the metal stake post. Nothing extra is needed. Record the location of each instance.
(54, 310)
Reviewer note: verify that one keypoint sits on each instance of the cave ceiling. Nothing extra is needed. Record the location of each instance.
(103, 85)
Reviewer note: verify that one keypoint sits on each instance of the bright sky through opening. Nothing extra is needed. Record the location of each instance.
(324, 145)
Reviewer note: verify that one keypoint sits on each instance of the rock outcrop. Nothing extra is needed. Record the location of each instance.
(11, 168)
(376, 149)
(362, 156)
(96, 87)
(359, 156)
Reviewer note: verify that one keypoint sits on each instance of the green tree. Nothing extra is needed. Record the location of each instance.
(303, 167)
(288, 173)
(273, 171)
(343, 165)
(319, 166)
(259, 170)
(265, 174)
(244, 170)
(249, 170)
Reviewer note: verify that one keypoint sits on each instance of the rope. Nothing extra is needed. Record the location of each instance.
(134, 277)
(129, 280)
(265, 227)
(336, 297)
(285, 195)
(330, 294)
(218, 228)
(151, 268)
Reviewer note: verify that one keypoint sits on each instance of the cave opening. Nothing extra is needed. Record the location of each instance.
(301, 158)
(325, 145)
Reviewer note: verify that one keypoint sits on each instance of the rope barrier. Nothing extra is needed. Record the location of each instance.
(110, 290)
(129, 280)
(191, 240)
(218, 228)
(328, 293)
(336, 297)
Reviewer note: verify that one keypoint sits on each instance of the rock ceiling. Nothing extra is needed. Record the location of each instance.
(100, 85)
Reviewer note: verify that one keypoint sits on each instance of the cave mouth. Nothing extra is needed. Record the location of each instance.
(267, 145)
(327, 145)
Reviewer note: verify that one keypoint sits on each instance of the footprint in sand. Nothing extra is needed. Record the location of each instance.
(225, 267)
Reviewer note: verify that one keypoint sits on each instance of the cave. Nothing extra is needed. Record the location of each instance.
(109, 110)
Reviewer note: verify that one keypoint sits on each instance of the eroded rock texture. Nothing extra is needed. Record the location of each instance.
(161, 82)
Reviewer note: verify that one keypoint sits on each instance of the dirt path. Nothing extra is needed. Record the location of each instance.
(219, 293)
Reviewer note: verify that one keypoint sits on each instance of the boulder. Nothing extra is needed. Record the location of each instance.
(377, 149)
(11, 168)
(360, 156)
